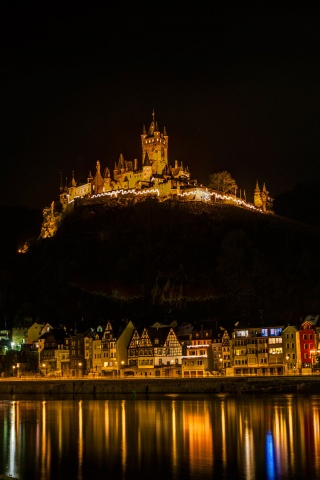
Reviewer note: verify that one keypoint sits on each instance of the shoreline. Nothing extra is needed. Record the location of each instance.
(231, 385)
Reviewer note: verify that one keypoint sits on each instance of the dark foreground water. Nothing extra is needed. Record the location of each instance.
(168, 437)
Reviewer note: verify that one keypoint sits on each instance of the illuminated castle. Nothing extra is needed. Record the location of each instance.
(128, 177)
(261, 198)
(133, 180)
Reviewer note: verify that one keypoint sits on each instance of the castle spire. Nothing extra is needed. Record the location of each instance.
(61, 183)
(146, 162)
(152, 127)
(89, 178)
(73, 182)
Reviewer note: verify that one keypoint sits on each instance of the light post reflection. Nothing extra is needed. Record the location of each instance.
(287, 364)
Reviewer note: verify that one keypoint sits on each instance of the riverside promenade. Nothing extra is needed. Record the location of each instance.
(229, 385)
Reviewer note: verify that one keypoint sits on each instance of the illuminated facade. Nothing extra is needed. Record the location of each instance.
(291, 349)
(172, 350)
(308, 342)
(261, 198)
(225, 351)
(154, 348)
(198, 361)
(257, 351)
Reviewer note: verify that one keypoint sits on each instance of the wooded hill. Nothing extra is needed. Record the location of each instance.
(163, 261)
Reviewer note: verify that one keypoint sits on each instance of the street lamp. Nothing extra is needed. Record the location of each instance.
(13, 369)
(287, 358)
(220, 364)
(44, 368)
(80, 365)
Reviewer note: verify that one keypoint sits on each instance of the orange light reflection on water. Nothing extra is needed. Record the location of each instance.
(279, 436)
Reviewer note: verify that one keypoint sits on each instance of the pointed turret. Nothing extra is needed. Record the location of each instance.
(264, 197)
(152, 125)
(257, 196)
(97, 181)
(61, 183)
(73, 182)
(146, 169)
(121, 163)
(146, 162)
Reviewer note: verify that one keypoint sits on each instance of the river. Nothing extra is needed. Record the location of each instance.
(178, 437)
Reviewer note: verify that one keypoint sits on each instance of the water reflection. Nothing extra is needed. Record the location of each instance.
(216, 437)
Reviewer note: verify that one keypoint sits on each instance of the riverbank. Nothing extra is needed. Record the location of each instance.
(232, 385)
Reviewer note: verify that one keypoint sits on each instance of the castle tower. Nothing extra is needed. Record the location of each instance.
(73, 182)
(257, 196)
(107, 179)
(264, 197)
(146, 169)
(121, 164)
(155, 144)
(97, 182)
(64, 195)
(73, 187)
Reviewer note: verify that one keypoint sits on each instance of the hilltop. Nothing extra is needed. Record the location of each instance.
(166, 260)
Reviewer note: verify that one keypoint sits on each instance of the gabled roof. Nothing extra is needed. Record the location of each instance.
(313, 319)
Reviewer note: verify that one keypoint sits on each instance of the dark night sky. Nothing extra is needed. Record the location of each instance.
(237, 90)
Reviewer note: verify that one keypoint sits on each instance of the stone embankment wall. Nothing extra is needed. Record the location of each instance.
(236, 385)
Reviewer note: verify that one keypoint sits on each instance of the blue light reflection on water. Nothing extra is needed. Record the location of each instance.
(177, 437)
(270, 460)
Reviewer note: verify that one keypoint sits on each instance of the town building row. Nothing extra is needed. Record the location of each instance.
(162, 350)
